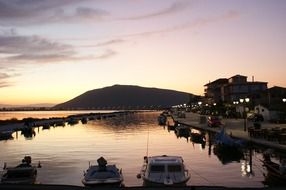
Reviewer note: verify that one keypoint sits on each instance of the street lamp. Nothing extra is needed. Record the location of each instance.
(284, 100)
(242, 101)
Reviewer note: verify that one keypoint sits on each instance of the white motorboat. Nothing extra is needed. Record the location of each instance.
(102, 174)
(24, 173)
(164, 170)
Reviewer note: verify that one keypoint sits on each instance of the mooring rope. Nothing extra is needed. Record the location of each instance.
(147, 151)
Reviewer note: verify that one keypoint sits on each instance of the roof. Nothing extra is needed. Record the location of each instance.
(165, 159)
(218, 81)
(238, 76)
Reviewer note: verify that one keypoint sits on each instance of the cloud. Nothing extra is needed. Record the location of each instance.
(110, 42)
(18, 49)
(105, 43)
(107, 54)
(3, 80)
(31, 12)
(201, 22)
(173, 8)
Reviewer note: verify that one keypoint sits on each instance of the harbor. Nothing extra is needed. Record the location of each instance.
(122, 141)
(235, 128)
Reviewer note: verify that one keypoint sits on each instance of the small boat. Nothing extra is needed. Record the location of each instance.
(103, 174)
(224, 139)
(164, 171)
(24, 173)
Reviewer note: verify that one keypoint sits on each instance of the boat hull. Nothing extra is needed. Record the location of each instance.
(108, 183)
(149, 183)
(16, 178)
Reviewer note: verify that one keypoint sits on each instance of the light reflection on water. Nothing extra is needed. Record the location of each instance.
(65, 152)
(44, 114)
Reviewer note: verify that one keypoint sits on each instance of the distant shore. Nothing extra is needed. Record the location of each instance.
(15, 125)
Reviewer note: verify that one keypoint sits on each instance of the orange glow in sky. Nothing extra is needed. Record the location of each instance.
(52, 51)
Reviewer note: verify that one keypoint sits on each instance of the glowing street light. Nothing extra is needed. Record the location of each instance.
(284, 100)
(242, 101)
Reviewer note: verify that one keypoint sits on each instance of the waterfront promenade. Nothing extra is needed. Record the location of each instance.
(235, 128)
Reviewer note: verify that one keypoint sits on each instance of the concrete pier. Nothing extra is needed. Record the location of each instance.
(233, 127)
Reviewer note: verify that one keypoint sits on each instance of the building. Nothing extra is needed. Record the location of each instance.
(271, 103)
(232, 89)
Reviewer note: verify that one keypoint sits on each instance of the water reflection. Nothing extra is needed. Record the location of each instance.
(65, 151)
(28, 132)
(275, 165)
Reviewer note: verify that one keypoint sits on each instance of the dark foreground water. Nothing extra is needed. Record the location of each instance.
(66, 151)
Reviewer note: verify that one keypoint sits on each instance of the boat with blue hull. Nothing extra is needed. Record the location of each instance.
(23, 173)
(103, 175)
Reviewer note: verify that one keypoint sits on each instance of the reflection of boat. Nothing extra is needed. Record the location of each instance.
(5, 135)
(164, 170)
(28, 132)
(102, 174)
(197, 136)
(276, 173)
(84, 120)
(182, 131)
(72, 121)
(162, 119)
(24, 173)
(227, 154)
(46, 126)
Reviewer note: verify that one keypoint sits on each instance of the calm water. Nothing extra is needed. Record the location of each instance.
(45, 114)
(65, 152)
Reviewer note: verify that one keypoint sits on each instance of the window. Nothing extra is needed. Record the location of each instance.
(157, 168)
(174, 168)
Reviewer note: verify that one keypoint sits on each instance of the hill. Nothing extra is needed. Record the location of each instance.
(126, 97)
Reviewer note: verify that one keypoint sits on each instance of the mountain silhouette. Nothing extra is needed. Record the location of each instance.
(126, 97)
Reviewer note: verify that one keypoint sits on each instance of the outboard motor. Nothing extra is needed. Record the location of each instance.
(102, 163)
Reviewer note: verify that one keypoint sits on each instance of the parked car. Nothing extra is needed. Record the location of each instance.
(256, 117)
(214, 121)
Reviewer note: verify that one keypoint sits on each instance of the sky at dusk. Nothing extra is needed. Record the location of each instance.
(54, 50)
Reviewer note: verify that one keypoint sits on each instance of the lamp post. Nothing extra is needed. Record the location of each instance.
(283, 100)
(242, 101)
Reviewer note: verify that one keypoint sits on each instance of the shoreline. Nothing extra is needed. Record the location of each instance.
(15, 125)
(234, 128)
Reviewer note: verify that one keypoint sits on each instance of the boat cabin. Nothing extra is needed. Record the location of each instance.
(167, 170)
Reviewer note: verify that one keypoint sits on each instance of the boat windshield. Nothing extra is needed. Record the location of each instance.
(157, 168)
(174, 168)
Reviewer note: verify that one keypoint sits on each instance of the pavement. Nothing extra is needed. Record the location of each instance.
(233, 127)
